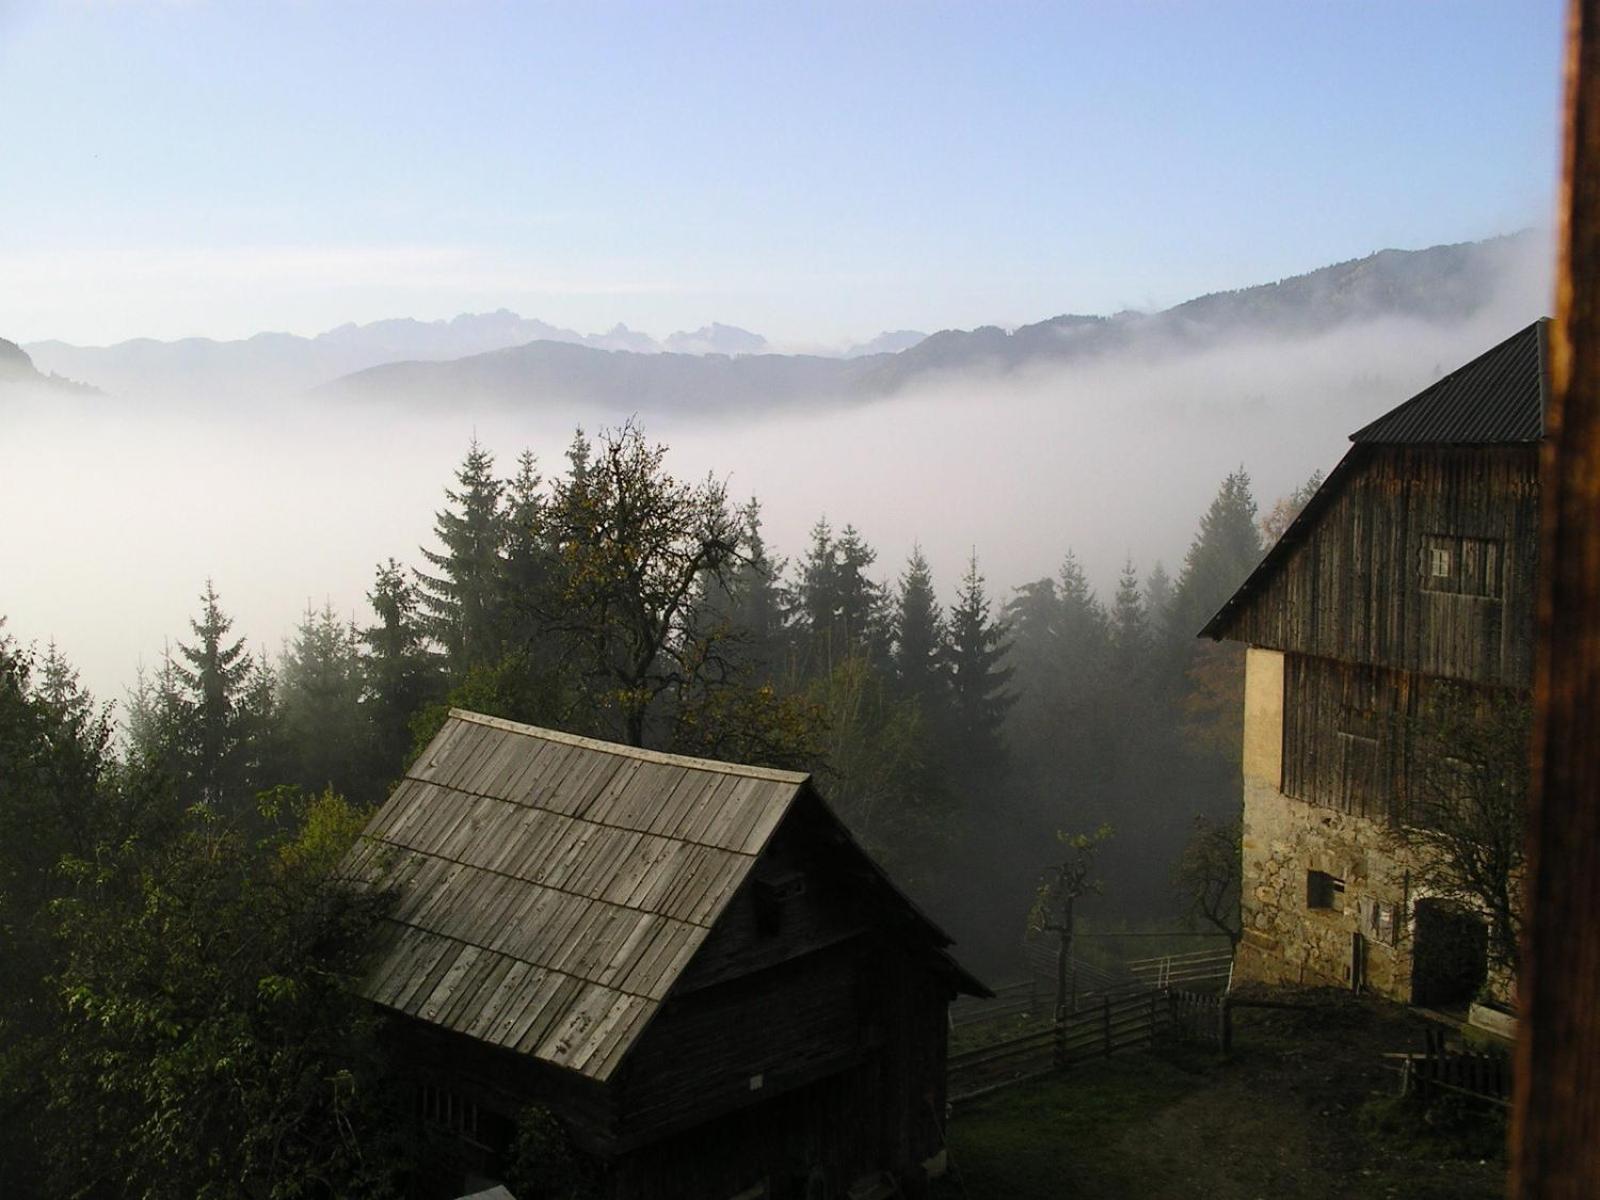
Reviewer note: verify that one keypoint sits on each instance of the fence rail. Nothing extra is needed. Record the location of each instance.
(1087, 984)
(1113, 1025)
(1196, 967)
(1485, 1076)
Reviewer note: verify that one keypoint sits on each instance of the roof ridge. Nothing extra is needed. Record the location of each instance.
(688, 762)
(1419, 399)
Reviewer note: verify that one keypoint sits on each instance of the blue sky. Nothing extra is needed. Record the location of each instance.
(816, 172)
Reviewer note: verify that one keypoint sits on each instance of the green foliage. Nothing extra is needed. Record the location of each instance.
(977, 649)
(210, 1043)
(838, 610)
(634, 548)
(399, 675)
(327, 740)
(1225, 550)
(210, 719)
(546, 1164)
(879, 771)
(918, 658)
(461, 604)
(1068, 880)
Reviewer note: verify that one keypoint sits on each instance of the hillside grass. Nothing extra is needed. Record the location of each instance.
(1305, 1107)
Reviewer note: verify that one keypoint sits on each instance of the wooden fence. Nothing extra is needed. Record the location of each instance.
(1087, 984)
(1114, 1024)
(1484, 1076)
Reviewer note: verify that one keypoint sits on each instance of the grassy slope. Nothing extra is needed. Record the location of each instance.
(1301, 1110)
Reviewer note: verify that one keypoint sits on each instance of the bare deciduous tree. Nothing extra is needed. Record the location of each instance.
(1207, 874)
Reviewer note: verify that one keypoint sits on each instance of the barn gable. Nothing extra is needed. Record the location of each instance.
(553, 889)
(1484, 412)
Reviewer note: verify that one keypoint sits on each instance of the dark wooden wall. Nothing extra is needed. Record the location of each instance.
(1358, 588)
(1353, 735)
(812, 984)
(1344, 743)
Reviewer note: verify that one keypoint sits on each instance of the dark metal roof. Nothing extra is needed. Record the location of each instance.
(1497, 398)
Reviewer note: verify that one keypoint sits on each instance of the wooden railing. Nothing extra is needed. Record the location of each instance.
(1112, 1025)
(1485, 1076)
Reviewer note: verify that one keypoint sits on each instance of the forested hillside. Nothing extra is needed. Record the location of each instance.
(175, 943)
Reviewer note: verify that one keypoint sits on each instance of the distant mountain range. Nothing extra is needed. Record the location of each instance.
(276, 363)
(17, 371)
(505, 359)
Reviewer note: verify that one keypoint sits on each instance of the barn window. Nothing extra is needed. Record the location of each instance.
(1467, 566)
(1324, 891)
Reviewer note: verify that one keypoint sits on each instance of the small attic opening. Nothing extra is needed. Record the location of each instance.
(772, 894)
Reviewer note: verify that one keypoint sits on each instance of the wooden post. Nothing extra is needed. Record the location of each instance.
(1063, 956)
(1060, 1041)
(1226, 1022)
(1555, 1135)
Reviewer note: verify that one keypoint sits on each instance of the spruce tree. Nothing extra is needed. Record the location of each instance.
(1130, 630)
(399, 672)
(208, 710)
(749, 601)
(1225, 550)
(326, 733)
(859, 623)
(977, 649)
(461, 603)
(919, 634)
(1157, 602)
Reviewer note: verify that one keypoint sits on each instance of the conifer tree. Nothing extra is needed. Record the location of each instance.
(859, 621)
(977, 648)
(1226, 548)
(815, 599)
(750, 602)
(919, 635)
(1157, 602)
(399, 673)
(1130, 631)
(328, 740)
(461, 603)
(527, 570)
(211, 712)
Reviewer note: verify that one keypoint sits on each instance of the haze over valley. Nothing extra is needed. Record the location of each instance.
(1105, 435)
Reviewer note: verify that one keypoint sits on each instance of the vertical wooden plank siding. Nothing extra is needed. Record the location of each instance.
(1360, 588)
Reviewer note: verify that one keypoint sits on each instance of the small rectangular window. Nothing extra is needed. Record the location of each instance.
(1467, 566)
(1324, 891)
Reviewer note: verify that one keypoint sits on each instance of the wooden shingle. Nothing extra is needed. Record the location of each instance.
(550, 889)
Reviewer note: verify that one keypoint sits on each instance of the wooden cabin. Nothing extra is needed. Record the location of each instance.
(690, 964)
(1410, 573)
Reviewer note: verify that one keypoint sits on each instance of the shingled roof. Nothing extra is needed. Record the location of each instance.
(552, 888)
(1496, 399)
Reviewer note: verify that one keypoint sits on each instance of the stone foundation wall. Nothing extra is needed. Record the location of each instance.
(1286, 939)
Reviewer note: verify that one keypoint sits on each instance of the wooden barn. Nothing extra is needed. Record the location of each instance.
(691, 964)
(1410, 576)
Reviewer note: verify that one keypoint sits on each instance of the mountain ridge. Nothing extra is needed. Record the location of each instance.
(509, 359)
(1439, 284)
